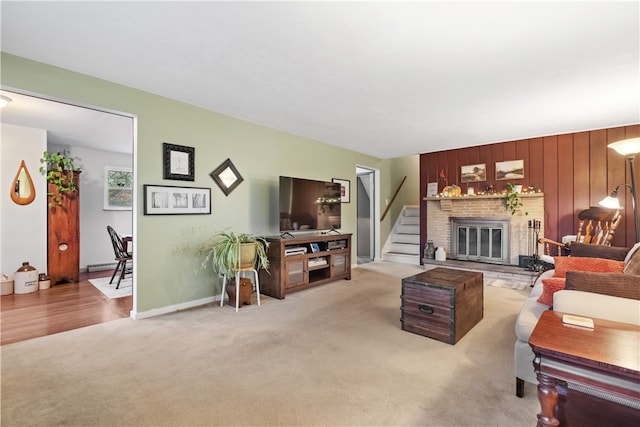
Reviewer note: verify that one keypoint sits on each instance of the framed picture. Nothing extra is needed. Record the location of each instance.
(473, 173)
(314, 247)
(345, 189)
(512, 169)
(178, 161)
(432, 189)
(118, 188)
(227, 177)
(169, 200)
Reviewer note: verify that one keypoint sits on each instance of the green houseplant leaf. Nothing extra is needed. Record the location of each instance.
(223, 251)
(58, 169)
(512, 199)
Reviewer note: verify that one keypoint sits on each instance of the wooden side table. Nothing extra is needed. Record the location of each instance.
(587, 377)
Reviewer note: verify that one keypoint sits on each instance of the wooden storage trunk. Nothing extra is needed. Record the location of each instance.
(443, 304)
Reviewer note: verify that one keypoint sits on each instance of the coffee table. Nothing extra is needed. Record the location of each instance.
(442, 303)
(587, 377)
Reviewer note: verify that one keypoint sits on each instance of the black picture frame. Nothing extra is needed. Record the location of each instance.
(345, 189)
(178, 162)
(227, 177)
(172, 200)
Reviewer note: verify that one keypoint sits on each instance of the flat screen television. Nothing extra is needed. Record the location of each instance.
(307, 204)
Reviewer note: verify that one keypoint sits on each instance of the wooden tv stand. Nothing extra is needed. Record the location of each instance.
(293, 270)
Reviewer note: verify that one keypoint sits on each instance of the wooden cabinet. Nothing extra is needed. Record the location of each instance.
(301, 262)
(295, 273)
(63, 237)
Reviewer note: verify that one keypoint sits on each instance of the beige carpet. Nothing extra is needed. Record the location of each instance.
(333, 355)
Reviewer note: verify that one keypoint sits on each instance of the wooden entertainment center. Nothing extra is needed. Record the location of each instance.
(301, 262)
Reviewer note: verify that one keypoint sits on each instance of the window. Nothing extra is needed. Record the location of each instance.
(118, 188)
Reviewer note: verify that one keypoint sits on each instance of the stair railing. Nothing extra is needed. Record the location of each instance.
(392, 199)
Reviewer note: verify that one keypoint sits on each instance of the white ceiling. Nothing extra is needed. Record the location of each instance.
(70, 125)
(384, 78)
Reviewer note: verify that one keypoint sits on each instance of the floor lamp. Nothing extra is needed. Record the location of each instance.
(628, 148)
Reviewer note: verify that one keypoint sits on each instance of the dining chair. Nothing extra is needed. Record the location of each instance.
(120, 255)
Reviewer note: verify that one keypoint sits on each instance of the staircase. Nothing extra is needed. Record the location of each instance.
(403, 244)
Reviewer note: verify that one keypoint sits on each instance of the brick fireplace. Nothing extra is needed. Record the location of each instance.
(491, 210)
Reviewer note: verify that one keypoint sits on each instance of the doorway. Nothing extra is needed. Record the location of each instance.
(367, 241)
(96, 136)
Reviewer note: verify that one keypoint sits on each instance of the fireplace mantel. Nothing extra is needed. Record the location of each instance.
(482, 196)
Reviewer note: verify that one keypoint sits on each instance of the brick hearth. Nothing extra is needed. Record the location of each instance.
(441, 209)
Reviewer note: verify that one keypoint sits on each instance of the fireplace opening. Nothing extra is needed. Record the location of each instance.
(480, 239)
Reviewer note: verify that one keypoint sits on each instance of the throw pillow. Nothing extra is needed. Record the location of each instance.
(632, 265)
(550, 286)
(564, 264)
(586, 250)
(614, 284)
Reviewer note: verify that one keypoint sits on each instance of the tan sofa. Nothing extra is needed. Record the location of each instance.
(610, 296)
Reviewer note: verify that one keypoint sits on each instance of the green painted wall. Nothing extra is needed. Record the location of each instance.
(165, 262)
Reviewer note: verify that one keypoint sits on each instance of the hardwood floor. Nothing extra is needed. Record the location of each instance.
(58, 309)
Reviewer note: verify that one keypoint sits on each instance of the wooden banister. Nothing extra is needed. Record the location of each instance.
(392, 199)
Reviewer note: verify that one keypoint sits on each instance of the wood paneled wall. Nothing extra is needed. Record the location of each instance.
(574, 171)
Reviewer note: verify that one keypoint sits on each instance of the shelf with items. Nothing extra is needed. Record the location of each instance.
(317, 263)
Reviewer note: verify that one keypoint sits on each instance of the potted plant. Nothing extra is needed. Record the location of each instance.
(512, 198)
(229, 250)
(59, 169)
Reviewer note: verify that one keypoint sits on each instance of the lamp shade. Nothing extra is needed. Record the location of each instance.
(626, 147)
(610, 202)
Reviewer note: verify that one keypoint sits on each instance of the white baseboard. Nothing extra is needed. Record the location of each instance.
(172, 308)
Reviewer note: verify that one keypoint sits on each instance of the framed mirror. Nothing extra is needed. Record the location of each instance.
(227, 177)
(22, 190)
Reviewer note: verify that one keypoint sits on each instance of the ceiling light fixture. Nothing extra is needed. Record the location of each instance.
(4, 101)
